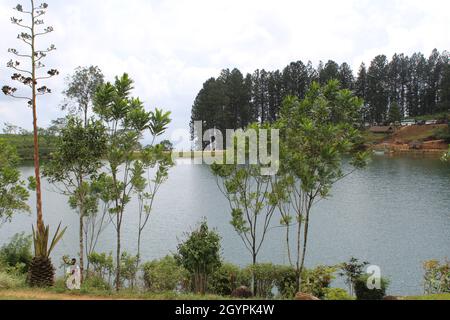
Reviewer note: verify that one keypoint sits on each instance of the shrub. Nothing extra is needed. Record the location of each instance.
(336, 294)
(265, 278)
(226, 279)
(103, 265)
(10, 281)
(364, 293)
(437, 277)
(17, 253)
(242, 292)
(163, 275)
(316, 281)
(95, 283)
(199, 254)
(286, 282)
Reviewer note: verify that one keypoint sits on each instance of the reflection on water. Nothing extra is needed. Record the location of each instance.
(395, 214)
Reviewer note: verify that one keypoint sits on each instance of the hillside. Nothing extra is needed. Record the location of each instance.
(24, 145)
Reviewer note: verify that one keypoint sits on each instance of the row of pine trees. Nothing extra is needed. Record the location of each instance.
(406, 86)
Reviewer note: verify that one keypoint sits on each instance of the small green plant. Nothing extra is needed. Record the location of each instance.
(227, 279)
(316, 281)
(17, 253)
(437, 277)
(103, 265)
(337, 294)
(199, 254)
(363, 292)
(163, 275)
(265, 278)
(286, 282)
(10, 281)
(351, 271)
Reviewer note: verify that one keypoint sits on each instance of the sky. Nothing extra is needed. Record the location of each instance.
(171, 47)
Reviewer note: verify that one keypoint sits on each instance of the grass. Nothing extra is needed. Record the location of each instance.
(443, 296)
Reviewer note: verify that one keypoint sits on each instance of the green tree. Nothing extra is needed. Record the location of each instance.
(352, 271)
(13, 193)
(30, 78)
(316, 134)
(251, 199)
(126, 121)
(81, 88)
(394, 113)
(77, 157)
(199, 254)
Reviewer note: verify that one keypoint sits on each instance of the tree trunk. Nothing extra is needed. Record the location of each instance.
(118, 255)
(253, 288)
(81, 245)
(40, 222)
(305, 242)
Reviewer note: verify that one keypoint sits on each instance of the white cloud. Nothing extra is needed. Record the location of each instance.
(171, 47)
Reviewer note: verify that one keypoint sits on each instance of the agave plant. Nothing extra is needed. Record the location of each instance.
(42, 272)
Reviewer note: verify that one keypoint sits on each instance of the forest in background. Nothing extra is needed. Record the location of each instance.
(404, 86)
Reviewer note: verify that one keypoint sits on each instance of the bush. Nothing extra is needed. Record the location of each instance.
(17, 253)
(199, 254)
(364, 293)
(10, 281)
(103, 265)
(242, 293)
(316, 281)
(437, 277)
(336, 294)
(265, 277)
(286, 282)
(163, 275)
(227, 279)
(95, 283)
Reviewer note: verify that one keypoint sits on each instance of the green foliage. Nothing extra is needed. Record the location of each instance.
(336, 294)
(17, 253)
(163, 275)
(266, 275)
(199, 254)
(394, 113)
(95, 283)
(13, 193)
(316, 281)
(40, 240)
(227, 278)
(127, 121)
(364, 293)
(286, 282)
(128, 268)
(437, 277)
(103, 265)
(351, 271)
(11, 281)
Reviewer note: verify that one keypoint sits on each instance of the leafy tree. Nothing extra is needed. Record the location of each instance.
(377, 89)
(352, 271)
(30, 79)
(251, 199)
(77, 157)
(316, 134)
(199, 254)
(13, 193)
(126, 121)
(17, 253)
(81, 89)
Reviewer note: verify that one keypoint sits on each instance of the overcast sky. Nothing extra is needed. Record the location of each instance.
(171, 47)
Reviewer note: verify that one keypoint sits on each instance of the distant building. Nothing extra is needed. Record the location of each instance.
(408, 123)
(382, 129)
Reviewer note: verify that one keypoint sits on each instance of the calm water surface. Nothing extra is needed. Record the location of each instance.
(395, 214)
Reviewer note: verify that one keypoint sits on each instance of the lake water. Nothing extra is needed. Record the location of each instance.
(395, 214)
